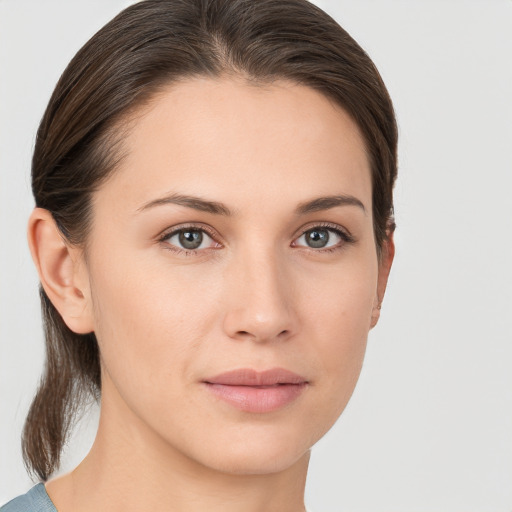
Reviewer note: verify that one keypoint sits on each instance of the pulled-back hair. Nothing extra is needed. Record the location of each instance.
(148, 46)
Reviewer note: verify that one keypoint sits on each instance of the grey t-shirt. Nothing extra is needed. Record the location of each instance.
(36, 500)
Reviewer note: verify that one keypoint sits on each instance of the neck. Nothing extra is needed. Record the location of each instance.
(130, 469)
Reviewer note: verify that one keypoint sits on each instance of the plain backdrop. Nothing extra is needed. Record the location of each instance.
(429, 427)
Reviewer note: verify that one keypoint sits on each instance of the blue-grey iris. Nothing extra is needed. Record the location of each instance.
(190, 239)
(317, 238)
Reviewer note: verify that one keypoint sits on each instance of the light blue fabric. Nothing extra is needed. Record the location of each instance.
(36, 500)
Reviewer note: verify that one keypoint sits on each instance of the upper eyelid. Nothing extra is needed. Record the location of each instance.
(181, 227)
(328, 225)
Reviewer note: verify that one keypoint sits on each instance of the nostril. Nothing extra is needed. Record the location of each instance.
(258, 324)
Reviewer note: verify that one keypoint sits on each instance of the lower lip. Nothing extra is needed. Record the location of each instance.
(258, 399)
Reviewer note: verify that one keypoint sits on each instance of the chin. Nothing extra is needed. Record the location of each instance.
(260, 463)
(256, 451)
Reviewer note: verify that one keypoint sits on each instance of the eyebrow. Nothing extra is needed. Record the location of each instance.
(191, 202)
(217, 208)
(328, 202)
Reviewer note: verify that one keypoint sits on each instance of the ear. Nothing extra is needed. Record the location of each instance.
(385, 262)
(61, 271)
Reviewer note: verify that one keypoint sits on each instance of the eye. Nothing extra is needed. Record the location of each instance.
(189, 239)
(322, 237)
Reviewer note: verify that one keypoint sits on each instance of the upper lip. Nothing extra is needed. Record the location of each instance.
(250, 377)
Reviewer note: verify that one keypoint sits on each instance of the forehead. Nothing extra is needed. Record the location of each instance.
(242, 143)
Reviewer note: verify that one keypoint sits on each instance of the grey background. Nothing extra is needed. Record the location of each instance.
(429, 427)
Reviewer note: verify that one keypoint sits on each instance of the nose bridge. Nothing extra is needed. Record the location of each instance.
(260, 305)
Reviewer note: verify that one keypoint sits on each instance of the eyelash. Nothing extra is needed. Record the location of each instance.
(346, 237)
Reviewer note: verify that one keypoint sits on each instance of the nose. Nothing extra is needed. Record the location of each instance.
(261, 299)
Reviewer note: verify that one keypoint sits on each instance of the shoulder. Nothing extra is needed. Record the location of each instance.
(36, 500)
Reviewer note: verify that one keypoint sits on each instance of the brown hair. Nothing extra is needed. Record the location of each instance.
(147, 46)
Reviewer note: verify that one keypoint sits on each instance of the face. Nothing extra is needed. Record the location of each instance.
(233, 273)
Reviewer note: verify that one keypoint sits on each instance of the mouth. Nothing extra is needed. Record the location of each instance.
(257, 392)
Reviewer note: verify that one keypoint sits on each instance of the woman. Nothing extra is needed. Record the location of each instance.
(213, 233)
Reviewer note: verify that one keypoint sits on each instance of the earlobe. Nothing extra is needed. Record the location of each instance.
(61, 271)
(385, 262)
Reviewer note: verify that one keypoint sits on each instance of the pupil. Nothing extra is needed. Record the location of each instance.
(191, 239)
(317, 238)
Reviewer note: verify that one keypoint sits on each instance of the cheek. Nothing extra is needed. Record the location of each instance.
(339, 300)
(149, 323)
(338, 320)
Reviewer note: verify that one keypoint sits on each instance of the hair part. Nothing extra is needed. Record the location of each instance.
(145, 48)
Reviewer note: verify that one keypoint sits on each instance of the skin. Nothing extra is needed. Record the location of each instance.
(254, 295)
